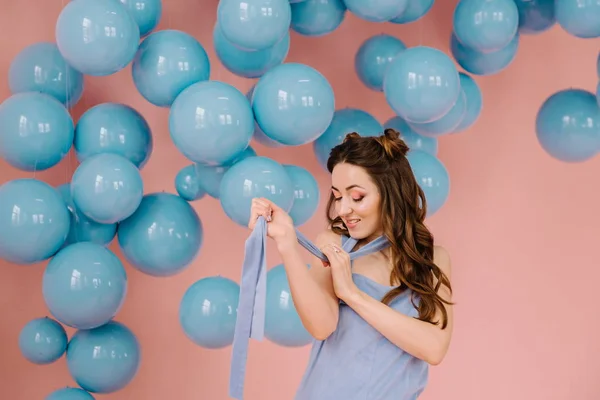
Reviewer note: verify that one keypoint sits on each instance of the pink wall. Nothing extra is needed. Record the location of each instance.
(521, 227)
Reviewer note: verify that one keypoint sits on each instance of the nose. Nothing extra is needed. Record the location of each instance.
(344, 208)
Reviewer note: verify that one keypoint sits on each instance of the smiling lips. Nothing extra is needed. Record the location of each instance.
(351, 223)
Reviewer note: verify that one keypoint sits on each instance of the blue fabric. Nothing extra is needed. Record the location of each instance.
(251, 308)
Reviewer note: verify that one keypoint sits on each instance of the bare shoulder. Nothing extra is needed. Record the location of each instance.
(441, 258)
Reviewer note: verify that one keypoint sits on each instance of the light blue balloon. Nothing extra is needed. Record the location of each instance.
(258, 135)
(41, 68)
(293, 104)
(306, 194)
(254, 177)
(187, 184)
(421, 84)
(415, 10)
(82, 228)
(97, 37)
(254, 24)
(474, 102)
(568, 125)
(36, 131)
(535, 16)
(376, 10)
(104, 359)
(432, 177)
(282, 322)
(413, 140)
(478, 63)
(447, 123)
(317, 17)
(107, 188)
(114, 128)
(84, 285)
(34, 221)
(146, 13)
(167, 62)
(373, 57)
(211, 122)
(209, 177)
(208, 312)
(579, 18)
(345, 121)
(69, 393)
(163, 236)
(42, 341)
(249, 63)
(485, 25)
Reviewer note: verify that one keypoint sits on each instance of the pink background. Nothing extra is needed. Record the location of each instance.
(522, 229)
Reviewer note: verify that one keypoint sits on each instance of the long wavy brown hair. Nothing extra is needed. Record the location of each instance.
(403, 211)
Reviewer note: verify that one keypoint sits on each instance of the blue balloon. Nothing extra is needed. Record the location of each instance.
(97, 37)
(254, 177)
(84, 285)
(166, 63)
(282, 322)
(146, 13)
(208, 312)
(114, 128)
(485, 25)
(187, 184)
(579, 18)
(36, 131)
(69, 393)
(447, 123)
(415, 10)
(535, 16)
(41, 68)
(82, 228)
(373, 57)
(345, 121)
(478, 63)
(568, 125)
(474, 102)
(306, 194)
(317, 17)
(34, 221)
(249, 63)
(42, 341)
(211, 122)
(163, 236)
(421, 84)
(209, 177)
(258, 135)
(432, 177)
(376, 10)
(107, 188)
(413, 140)
(254, 24)
(293, 104)
(104, 359)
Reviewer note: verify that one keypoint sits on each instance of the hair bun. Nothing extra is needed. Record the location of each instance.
(393, 145)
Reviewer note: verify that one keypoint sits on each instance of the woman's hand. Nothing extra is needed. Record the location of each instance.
(341, 272)
(280, 226)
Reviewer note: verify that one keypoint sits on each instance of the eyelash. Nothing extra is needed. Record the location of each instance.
(356, 200)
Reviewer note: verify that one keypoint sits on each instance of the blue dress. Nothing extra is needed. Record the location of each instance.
(356, 362)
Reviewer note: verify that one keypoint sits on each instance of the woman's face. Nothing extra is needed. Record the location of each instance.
(357, 201)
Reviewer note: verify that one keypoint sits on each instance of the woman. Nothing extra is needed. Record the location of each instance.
(382, 319)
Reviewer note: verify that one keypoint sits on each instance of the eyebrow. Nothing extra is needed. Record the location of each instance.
(349, 187)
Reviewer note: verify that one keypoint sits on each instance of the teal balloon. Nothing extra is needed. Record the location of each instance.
(104, 359)
(306, 194)
(317, 17)
(568, 125)
(282, 322)
(477, 63)
(107, 188)
(474, 102)
(40, 67)
(36, 131)
(187, 184)
(446, 124)
(254, 177)
(376, 10)
(208, 312)
(42, 341)
(413, 140)
(579, 18)
(34, 221)
(97, 38)
(535, 16)
(84, 285)
(146, 13)
(373, 57)
(163, 236)
(415, 10)
(69, 393)
(432, 177)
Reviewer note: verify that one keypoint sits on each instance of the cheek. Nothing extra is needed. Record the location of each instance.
(367, 208)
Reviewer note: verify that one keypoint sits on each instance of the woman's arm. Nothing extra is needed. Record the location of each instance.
(312, 288)
(421, 339)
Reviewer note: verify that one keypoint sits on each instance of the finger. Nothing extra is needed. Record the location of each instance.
(271, 204)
